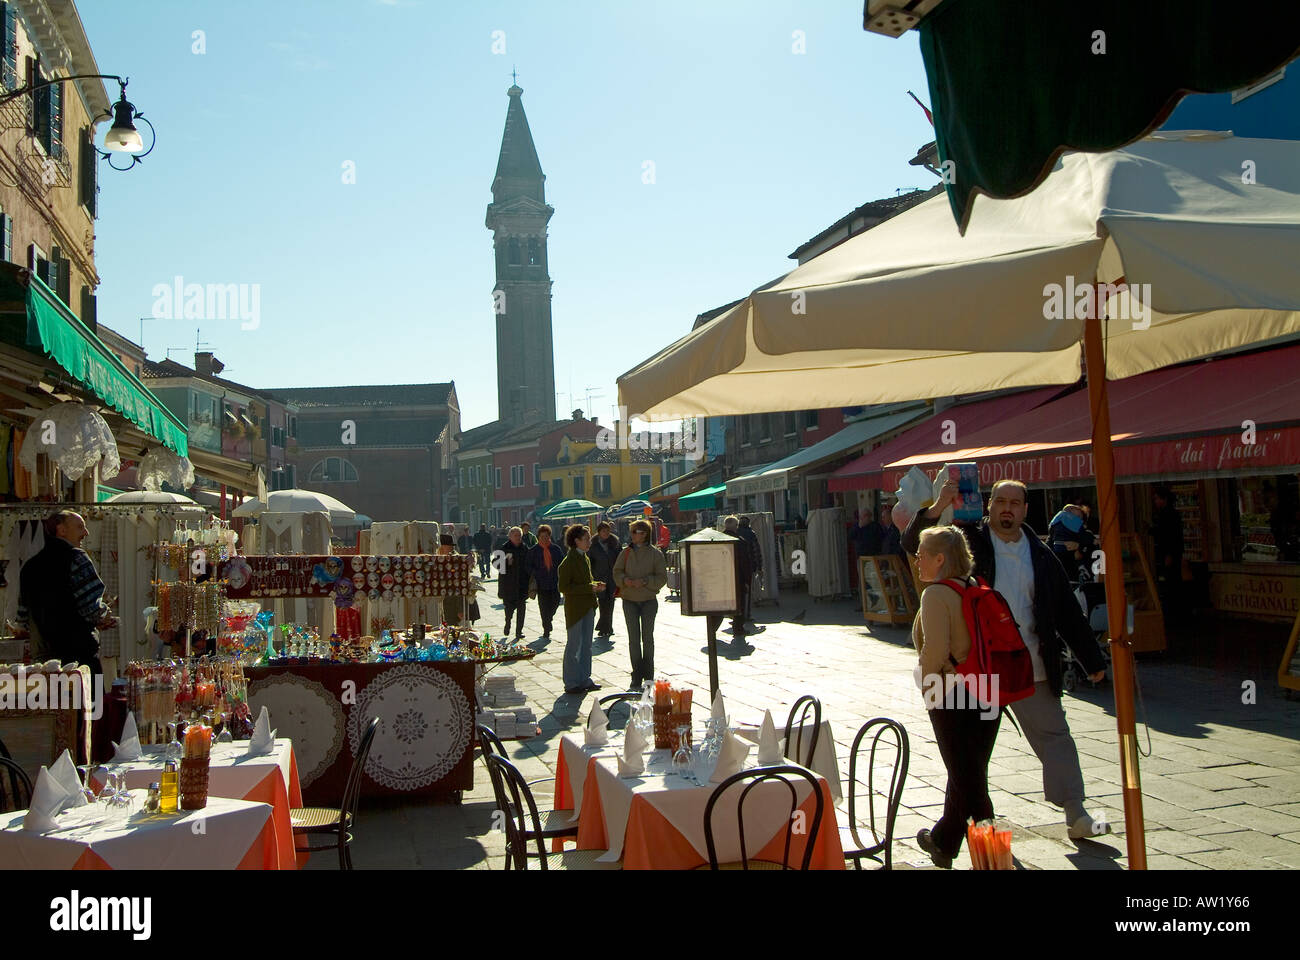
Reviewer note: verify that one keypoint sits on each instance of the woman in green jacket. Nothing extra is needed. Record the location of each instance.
(579, 589)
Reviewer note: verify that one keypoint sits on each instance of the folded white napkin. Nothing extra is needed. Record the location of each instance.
(769, 748)
(129, 748)
(719, 709)
(731, 759)
(64, 772)
(48, 799)
(263, 740)
(632, 762)
(597, 732)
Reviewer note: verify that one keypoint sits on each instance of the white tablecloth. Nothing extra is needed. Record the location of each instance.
(215, 838)
(231, 772)
(680, 800)
(824, 763)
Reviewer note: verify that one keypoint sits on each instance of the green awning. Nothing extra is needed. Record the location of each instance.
(54, 330)
(706, 499)
(1012, 84)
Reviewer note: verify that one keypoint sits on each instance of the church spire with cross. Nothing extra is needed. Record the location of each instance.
(518, 216)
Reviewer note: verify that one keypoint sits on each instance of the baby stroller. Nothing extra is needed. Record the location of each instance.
(1092, 599)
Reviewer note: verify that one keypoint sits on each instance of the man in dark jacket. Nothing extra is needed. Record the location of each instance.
(1167, 531)
(544, 560)
(746, 532)
(530, 541)
(1014, 561)
(482, 547)
(604, 552)
(512, 579)
(61, 595)
(744, 572)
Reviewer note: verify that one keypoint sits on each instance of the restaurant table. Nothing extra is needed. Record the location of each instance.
(270, 779)
(226, 834)
(656, 821)
(425, 741)
(823, 763)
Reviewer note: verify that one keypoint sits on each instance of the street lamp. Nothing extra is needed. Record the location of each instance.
(122, 136)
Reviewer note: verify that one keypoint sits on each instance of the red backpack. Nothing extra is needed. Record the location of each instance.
(997, 650)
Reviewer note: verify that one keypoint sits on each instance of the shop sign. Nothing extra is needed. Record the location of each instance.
(1256, 594)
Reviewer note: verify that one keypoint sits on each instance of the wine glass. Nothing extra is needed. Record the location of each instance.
(682, 762)
(88, 784)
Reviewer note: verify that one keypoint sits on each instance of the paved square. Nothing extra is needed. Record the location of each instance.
(1221, 786)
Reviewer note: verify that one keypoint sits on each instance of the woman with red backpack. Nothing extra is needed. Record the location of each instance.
(963, 729)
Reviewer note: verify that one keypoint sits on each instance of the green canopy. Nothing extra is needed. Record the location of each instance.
(1013, 85)
(706, 499)
(54, 330)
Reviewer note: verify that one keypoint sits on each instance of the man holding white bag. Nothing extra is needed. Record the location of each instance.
(1011, 558)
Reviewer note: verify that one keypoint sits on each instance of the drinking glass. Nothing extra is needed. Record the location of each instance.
(682, 762)
(87, 784)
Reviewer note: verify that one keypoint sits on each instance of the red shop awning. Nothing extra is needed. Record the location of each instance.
(1193, 419)
(868, 472)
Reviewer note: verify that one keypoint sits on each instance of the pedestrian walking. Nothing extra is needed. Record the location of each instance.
(465, 543)
(963, 731)
(483, 548)
(580, 591)
(604, 551)
(1070, 540)
(530, 541)
(512, 581)
(640, 573)
(61, 597)
(1010, 558)
(544, 560)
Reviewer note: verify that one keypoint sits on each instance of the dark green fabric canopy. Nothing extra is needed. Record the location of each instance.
(1014, 84)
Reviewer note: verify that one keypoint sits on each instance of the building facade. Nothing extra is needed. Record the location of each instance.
(385, 451)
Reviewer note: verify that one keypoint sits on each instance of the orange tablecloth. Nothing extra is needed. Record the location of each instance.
(652, 843)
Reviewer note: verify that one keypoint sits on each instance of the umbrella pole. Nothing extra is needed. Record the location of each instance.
(1116, 603)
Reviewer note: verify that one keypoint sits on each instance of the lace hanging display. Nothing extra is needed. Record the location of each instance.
(160, 466)
(76, 438)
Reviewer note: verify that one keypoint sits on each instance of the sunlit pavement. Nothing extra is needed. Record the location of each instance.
(1221, 787)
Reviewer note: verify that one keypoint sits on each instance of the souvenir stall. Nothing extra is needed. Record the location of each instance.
(420, 683)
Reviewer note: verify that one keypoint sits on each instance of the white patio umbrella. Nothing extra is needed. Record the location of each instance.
(149, 496)
(1188, 242)
(297, 501)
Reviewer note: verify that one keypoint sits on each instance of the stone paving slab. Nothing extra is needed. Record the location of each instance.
(1221, 789)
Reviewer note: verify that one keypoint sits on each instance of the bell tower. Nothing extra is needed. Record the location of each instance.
(518, 216)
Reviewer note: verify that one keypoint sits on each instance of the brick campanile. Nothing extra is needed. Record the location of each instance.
(517, 217)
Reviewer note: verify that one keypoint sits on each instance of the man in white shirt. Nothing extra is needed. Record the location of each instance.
(1010, 557)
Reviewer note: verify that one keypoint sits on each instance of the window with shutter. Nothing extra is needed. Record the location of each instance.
(513, 247)
(88, 174)
(579, 486)
(88, 308)
(63, 277)
(54, 146)
(8, 47)
(6, 237)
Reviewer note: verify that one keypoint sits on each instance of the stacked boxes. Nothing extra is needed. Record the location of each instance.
(503, 708)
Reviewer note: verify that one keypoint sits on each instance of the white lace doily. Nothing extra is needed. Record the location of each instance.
(424, 729)
(305, 712)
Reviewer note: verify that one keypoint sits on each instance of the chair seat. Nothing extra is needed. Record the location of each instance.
(573, 860)
(311, 819)
(558, 823)
(855, 839)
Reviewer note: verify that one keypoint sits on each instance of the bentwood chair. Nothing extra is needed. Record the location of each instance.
(785, 775)
(339, 821)
(607, 703)
(18, 794)
(804, 744)
(866, 841)
(556, 825)
(523, 825)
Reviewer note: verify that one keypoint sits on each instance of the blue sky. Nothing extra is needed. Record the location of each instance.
(389, 279)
